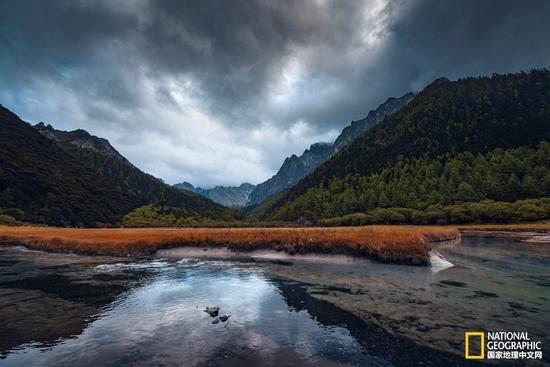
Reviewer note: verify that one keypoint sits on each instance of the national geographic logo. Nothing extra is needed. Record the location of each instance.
(501, 345)
(469, 335)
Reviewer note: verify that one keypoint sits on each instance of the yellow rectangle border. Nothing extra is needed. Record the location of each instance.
(467, 336)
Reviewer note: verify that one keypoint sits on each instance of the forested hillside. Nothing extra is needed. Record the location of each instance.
(148, 189)
(423, 183)
(58, 183)
(294, 168)
(456, 142)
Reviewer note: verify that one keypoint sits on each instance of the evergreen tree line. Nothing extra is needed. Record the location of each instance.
(485, 211)
(429, 185)
(154, 215)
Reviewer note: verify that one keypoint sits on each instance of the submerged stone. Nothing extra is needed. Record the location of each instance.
(212, 311)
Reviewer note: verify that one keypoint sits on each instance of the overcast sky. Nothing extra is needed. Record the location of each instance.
(220, 92)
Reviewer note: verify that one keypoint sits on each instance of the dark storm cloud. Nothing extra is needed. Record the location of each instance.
(260, 79)
(233, 49)
(463, 38)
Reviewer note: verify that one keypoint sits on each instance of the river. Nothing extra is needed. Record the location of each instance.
(66, 310)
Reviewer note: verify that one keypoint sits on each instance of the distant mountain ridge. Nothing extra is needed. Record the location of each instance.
(230, 196)
(75, 179)
(294, 168)
(374, 117)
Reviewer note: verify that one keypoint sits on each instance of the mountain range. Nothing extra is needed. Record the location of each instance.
(230, 196)
(294, 168)
(471, 150)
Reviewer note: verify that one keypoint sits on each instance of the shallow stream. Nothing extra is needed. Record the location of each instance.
(64, 310)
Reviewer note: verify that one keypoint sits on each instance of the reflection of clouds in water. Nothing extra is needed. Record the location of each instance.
(163, 322)
(171, 307)
(134, 265)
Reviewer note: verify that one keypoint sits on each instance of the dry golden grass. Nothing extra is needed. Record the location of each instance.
(399, 244)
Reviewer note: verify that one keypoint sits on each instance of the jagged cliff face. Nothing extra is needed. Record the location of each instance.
(189, 187)
(233, 196)
(80, 138)
(295, 168)
(373, 118)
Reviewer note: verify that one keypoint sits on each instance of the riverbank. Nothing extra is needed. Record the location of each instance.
(528, 232)
(497, 283)
(393, 244)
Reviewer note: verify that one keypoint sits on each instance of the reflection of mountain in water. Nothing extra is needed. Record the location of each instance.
(44, 303)
(46, 299)
(399, 351)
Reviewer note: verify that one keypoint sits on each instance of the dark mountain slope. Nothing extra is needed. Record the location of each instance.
(47, 184)
(80, 138)
(356, 128)
(475, 115)
(146, 188)
(295, 168)
(59, 183)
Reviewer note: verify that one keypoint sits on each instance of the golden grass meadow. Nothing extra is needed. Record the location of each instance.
(396, 244)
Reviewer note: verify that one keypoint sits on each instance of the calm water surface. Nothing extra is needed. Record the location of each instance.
(64, 310)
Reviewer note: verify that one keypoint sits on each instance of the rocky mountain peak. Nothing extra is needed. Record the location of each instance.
(374, 117)
(294, 168)
(231, 196)
(80, 138)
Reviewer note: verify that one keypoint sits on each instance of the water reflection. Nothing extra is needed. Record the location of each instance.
(152, 314)
(496, 284)
(64, 310)
(45, 297)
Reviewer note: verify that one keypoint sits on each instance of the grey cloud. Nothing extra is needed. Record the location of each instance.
(115, 63)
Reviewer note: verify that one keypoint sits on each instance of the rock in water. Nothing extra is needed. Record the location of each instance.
(212, 311)
(224, 318)
(216, 320)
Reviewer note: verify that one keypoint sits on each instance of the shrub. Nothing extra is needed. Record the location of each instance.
(8, 220)
(486, 211)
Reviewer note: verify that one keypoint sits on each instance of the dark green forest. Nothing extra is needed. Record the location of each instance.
(158, 215)
(485, 211)
(429, 185)
(133, 181)
(456, 142)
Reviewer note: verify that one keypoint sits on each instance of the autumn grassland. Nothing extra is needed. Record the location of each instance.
(397, 244)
